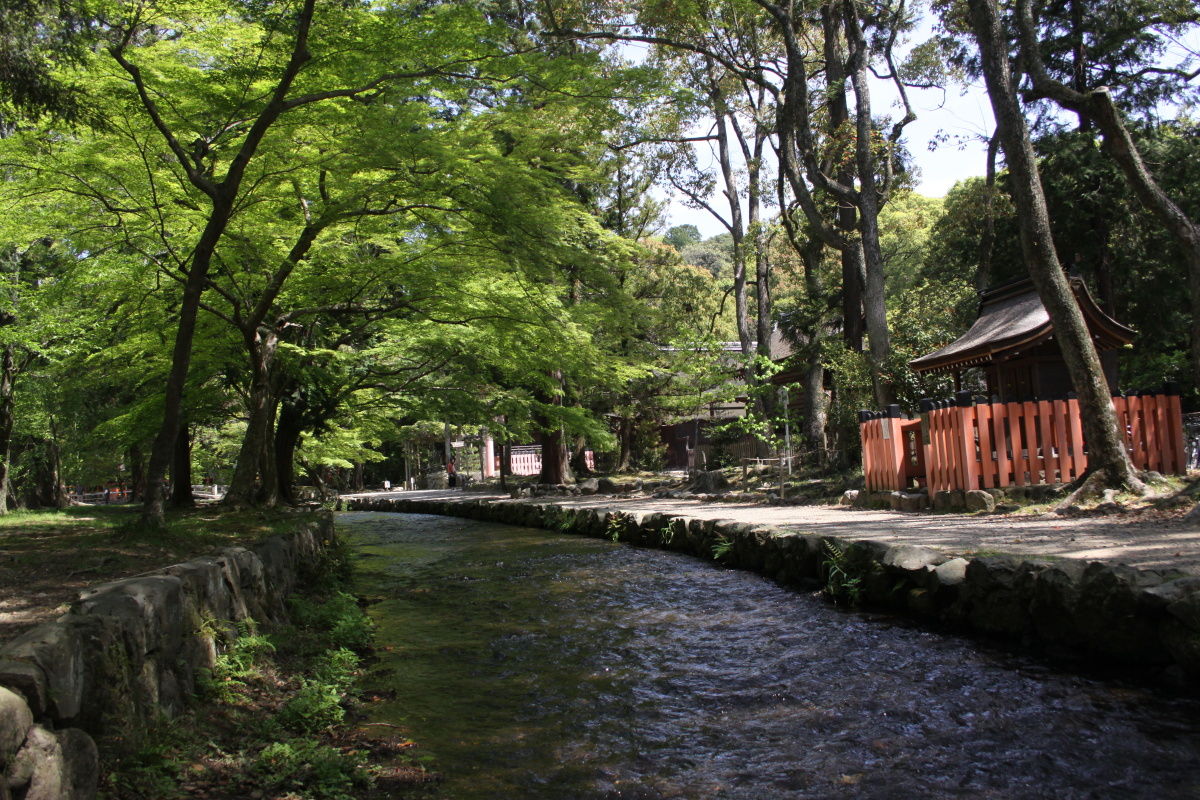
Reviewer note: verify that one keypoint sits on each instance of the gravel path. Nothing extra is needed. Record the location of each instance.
(1136, 541)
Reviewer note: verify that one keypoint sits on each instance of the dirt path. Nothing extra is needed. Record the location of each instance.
(1134, 539)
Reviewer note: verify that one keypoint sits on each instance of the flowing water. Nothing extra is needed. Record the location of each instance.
(530, 665)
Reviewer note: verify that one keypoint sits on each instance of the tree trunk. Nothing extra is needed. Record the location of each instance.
(181, 470)
(625, 435)
(137, 473)
(737, 228)
(1098, 109)
(555, 466)
(987, 239)
(847, 214)
(8, 373)
(814, 405)
(287, 438)
(869, 204)
(163, 448)
(578, 462)
(244, 486)
(1106, 446)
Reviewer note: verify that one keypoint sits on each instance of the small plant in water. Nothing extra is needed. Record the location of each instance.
(559, 519)
(840, 584)
(619, 523)
(722, 548)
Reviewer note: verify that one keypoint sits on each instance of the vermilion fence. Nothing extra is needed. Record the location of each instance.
(964, 444)
(527, 460)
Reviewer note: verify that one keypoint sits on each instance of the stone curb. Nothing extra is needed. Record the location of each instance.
(1148, 620)
(129, 651)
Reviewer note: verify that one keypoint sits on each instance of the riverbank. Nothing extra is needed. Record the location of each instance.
(204, 678)
(1088, 589)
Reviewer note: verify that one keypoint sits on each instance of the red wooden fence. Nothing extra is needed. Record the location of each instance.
(962, 444)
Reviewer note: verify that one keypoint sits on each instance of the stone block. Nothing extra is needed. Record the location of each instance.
(15, 722)
(950, 500)
(1178, 593)
(38, 771)
(709, 482)
(951, 573)
(912, 558)
(913, 501)
(56, 649)
(29, 681)
(978, 500)
(81, 763)
(150, 606)
(995, 593)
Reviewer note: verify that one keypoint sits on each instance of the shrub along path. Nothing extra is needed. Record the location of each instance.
(1150, 538)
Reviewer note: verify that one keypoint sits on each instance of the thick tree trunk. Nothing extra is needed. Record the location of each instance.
(1106, 446)
(555, 465)
(625, 438)
(869, 204)
(181, 470)
(287, 438)
(847, 215)
(244, 486)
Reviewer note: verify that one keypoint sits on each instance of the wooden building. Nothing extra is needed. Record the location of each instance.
(1028, 430)
(1012, 342)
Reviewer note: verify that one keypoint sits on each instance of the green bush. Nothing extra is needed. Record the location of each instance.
(317, 770)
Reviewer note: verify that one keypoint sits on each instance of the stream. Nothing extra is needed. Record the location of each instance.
(531, 665)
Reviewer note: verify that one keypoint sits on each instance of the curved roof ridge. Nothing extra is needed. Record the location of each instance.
(1012, 317)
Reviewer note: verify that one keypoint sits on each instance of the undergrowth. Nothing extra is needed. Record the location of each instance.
(273, 717)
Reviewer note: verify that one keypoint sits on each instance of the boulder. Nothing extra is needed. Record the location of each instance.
(849, 497)
(606, 486)
(913, 501)
(978, 500)
(589, 486)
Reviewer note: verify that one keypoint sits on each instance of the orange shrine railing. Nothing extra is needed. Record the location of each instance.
(965, 444)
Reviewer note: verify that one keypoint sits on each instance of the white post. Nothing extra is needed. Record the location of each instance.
(488, 468)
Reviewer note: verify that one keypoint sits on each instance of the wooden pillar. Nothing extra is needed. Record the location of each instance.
(965, 429)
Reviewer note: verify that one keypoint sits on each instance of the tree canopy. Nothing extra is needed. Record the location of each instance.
(267, 243)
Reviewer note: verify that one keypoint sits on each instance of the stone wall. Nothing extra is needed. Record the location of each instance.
(1102, 613)
(129, 651)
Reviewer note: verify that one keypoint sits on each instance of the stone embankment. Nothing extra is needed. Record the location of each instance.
(129, 651)
(1145, 619)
